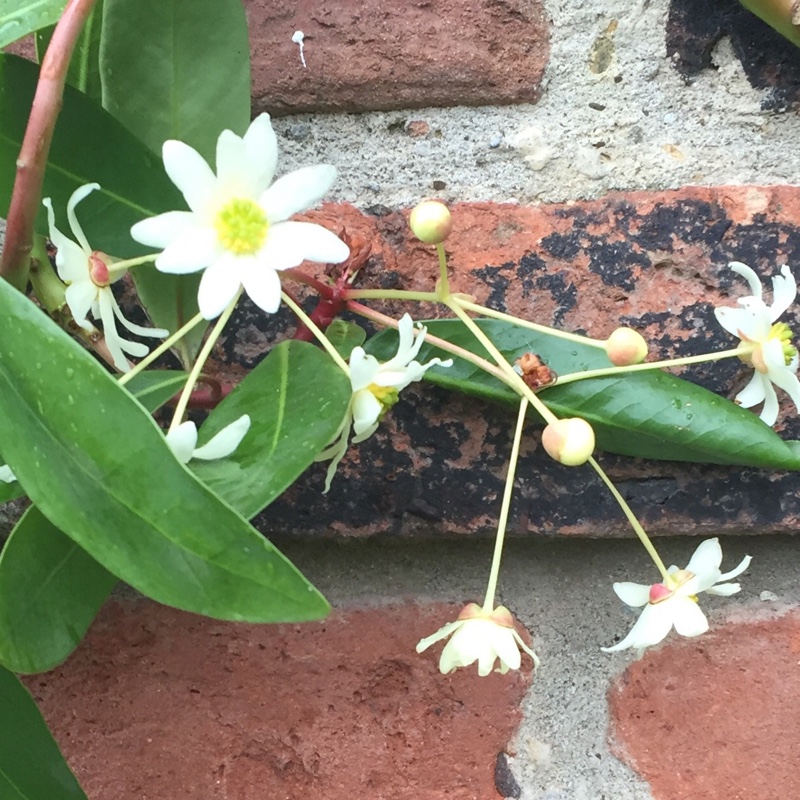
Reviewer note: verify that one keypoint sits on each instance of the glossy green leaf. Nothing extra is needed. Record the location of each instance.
(84, 66)
(31, 765)
(177, 69)
(344, 336)
(89, 145)
(50, 588)
(10, 491)
(647, 414)
(50, 591)
(296, 398)
(97, 466)
(18, 18)
(155, 387)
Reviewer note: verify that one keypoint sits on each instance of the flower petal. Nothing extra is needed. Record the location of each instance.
(77, 230)
(218, 286)
(784, 292)
(190, 172)
(769, 413)
(749, 275)
(262, 151)
(80, 296)
(297, 191)
(442, 633)
(724, 589)
(6, 474)
(506, 648)
(366, 410)
(632, 594)
(190, 251)
(234, 173)
(754, 392)
(71, 260)
(160, 231)
(527, 649)
(688, 617)
(225, 441)
(182, 440)
(743, 565)
(140, 330)
(777, 371)
(653, 625)
(705, 561)
(289, 243)
(263, 285)
(751, 323)
(363, 369)
(113, 339)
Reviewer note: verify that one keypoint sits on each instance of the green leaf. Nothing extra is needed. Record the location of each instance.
(84, 66)
(50, 591)
(153, 388)
(10, 491)
(297, 398)
(18, 18)
(97, 466)
(89, 145)
(31, 765)
(344, 336)
(647, 414)
(177, 69)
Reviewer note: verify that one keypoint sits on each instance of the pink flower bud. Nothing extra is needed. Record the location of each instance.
(569, 441)
(98, 270)
(626, 346)
(431, 222)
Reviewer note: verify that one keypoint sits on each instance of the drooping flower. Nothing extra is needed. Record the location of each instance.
(674, 602)
(6, 474)
(482, 636)
(237, 229)
(775, 359)
(183, 441)
(89, 274)
(376, 389)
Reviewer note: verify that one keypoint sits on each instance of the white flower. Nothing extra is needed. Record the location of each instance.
(88, 277)
(775, 359)
(183, 440)
(481, 636)
(6, 475)
(237, 228)
(674, 603)
(376, 388)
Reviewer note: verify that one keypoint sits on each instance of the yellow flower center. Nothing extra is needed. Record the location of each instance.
(241, 226)
(387, 396)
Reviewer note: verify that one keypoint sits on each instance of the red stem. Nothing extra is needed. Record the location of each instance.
(32, 159)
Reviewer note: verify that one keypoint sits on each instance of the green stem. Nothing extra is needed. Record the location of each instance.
(488, 602)
(443, 285)
(161, 349)
(626, 509)
(204, 353)
(389, 294)
(123, 266)
(442, 344)
(514, 380)
(571, 377)
(314, 328)
(523, 323)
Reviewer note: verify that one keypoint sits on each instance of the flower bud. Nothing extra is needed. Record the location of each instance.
(626, 346)
(569, 441)
(431, 222)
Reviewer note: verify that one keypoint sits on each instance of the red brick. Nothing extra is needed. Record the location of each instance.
(715, 717)
(158, 703)
(369, 55)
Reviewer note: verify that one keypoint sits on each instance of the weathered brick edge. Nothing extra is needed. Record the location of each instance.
(654, 260)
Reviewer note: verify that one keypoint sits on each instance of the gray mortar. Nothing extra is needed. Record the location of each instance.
(561, 590)
(658, 132)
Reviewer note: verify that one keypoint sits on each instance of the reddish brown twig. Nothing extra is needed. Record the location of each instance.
(32, 159)
(332, 300)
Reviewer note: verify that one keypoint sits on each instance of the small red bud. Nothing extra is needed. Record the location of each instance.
(98, 270)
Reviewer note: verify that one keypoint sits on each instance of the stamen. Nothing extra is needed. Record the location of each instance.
(241, 226)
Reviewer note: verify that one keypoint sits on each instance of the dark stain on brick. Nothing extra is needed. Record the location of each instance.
(613, 262)
(499, 283)
(694, 27)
